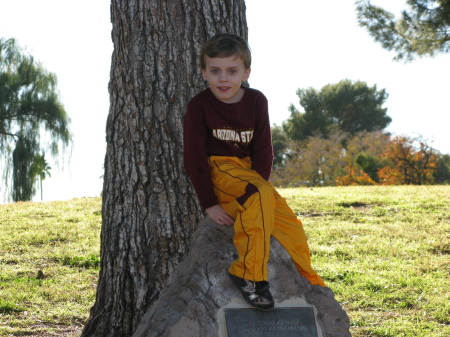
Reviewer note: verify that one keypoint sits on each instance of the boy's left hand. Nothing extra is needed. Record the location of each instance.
(218, 214)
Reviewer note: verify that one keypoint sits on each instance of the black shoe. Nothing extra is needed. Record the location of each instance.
(255, 293)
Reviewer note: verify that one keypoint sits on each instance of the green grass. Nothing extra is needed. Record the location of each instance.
(49, 266)
(384, 251)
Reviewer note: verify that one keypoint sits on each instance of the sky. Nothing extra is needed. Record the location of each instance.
(295, 44)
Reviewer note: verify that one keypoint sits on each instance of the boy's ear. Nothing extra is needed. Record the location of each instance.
(204, 74)
(247, 72)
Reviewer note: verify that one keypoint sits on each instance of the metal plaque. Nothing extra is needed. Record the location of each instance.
(281, 322)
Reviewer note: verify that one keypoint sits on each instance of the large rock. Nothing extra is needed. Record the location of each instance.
(192, 305)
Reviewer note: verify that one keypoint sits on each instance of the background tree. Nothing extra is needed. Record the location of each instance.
(442, 175)
(41, 169)
(423, 30)
(313, 162)
(412, 162)
(355, 160)
(150, 210)
(312, 122)
(346, 106)
(369, 164)
(370, 143)
(367, 158)
(280, 146)
(354, 176)
(29, 106)
(363, 151)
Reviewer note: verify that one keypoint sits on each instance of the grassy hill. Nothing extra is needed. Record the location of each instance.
(384, 251)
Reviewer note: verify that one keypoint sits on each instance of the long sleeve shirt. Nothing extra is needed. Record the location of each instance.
(215, 128)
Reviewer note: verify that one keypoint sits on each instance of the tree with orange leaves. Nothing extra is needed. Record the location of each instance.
(412, 162)
(354, 177)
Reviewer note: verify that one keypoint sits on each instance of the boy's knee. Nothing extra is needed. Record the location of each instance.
(264, 187)
(261, 189)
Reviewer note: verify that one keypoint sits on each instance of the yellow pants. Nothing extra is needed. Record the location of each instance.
(260, 213)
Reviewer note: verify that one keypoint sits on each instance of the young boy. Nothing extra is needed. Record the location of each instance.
(228, 156)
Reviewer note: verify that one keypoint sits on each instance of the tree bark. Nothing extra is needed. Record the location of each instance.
(149, 207)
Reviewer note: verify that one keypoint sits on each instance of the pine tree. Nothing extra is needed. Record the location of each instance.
(423, 30)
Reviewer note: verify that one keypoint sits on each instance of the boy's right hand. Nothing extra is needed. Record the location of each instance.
(218, 214)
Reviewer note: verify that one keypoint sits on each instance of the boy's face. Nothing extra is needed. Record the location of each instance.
(224, 76)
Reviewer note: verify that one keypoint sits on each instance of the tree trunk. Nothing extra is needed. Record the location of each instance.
(149, 208)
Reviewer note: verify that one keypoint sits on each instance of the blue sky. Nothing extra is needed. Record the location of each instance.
(295, 44)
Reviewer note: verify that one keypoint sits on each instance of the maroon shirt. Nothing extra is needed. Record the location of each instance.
(215, 128)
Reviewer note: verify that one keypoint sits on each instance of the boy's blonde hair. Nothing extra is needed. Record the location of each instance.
(226, 45)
